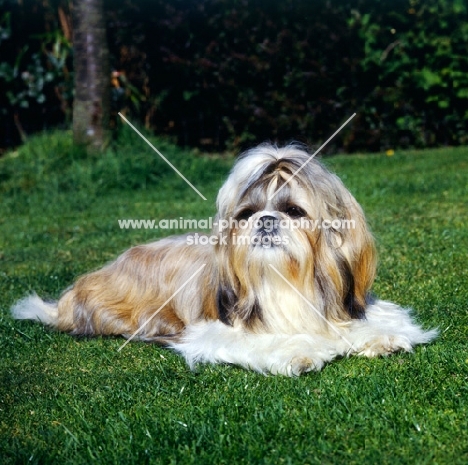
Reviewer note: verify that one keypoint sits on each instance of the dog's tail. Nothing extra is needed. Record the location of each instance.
(34, 308)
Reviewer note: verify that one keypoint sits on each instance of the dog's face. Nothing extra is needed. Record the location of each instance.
(287, 226)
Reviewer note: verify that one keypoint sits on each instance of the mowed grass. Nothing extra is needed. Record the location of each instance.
(67, 400)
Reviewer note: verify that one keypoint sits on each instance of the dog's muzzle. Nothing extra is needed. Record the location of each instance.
(267, 231)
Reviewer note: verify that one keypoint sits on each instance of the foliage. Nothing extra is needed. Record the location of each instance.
(68, 400)
(220, 74)
(49, 165)
(35, 75)
(419, 59)
(237, 72)
(29, 85)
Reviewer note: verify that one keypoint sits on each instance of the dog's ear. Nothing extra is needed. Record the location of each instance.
(334, 277)
(229, 306)
(358, 273)
(358, 261)
(364, 268)
(352, 303)
(226, 301)
(346, 263)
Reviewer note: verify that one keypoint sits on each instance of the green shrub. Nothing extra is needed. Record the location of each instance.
(222, 74)
(50, 164)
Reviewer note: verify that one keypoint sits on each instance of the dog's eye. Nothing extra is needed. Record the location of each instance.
(295, 212)
(245, 214)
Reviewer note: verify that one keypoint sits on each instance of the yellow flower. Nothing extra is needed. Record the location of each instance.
(390, 152)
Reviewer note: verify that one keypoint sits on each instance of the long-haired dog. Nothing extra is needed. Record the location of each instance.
(281, 286)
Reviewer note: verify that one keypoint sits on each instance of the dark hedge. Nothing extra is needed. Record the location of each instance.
(230, 73)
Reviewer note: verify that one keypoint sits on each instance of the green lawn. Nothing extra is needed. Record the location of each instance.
(66, 400)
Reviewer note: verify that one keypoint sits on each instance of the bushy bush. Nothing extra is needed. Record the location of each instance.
(229, 73)
(416, 58)
(36, 78)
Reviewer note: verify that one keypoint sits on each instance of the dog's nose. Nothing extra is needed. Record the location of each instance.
(267, 218)
(267, 223)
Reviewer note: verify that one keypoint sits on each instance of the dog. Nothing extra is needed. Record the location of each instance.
(281, 286)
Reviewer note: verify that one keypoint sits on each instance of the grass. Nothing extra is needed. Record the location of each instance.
(66, 400)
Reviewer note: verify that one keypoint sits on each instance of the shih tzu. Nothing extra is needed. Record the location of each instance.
(281, 286)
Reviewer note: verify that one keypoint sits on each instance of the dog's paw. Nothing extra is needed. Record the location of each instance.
(301, 365)
(386, 345)
(297, 366)
(299, 354)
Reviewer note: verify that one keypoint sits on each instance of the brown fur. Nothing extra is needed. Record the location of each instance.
(124, 295)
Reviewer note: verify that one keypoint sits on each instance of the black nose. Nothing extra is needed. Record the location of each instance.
(267, 223)
(268, 218)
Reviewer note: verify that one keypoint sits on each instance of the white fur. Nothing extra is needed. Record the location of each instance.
(388, 328)
(215, 342)
(34, 308)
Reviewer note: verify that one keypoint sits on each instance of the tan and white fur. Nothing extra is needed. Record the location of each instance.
(284, 307)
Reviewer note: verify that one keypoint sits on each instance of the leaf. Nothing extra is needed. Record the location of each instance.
(463, 93)
(49, 77)
(430, 78)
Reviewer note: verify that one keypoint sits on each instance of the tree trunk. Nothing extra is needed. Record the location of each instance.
(91, 106)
